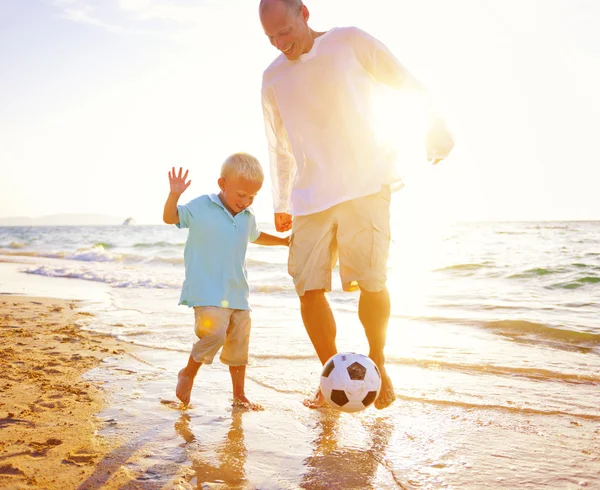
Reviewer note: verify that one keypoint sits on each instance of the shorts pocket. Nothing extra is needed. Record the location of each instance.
(380, 248)
(292, 258)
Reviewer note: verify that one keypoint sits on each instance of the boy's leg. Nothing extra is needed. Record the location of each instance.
(238, 378)
(235, 355)
(185, 380)
(210, 327)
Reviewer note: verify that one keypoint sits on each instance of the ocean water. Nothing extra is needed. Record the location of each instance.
(493, 347)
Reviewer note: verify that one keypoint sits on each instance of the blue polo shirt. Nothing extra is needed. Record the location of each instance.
(215, 253)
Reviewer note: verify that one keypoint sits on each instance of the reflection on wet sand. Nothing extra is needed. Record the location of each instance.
(334, 467)
(228, 470)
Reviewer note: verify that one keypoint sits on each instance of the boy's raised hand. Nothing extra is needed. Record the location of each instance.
(177, 182)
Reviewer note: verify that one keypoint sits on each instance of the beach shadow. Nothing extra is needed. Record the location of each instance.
(223, 465)
(347, 468)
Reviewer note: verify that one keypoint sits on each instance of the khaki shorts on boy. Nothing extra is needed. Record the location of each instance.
(356, 231)
(221, 327)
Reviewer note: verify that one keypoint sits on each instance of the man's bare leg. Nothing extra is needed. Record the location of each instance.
(238, 378)
(320, 325)
(185, 380)
(374, 314)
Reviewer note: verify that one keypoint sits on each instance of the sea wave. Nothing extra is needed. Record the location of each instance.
(536, 272)
(17, 245)
(101, 252)
(576, 283)
(464, 267)
(103, 277)
(97, 253)
(506, 371)
(502, 408)
(525, 331)
(576, 267)
(518, 328)
(160, 244)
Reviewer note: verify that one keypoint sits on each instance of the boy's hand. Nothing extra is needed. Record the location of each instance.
(177, 182)
(283, 222)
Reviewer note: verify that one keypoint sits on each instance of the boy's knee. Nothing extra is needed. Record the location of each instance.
(213, 337)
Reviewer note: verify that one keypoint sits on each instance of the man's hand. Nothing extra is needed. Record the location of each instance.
(177, 182)
(283, 222)
(439, 141)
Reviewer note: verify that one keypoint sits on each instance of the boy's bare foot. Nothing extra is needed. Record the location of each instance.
(386, 395)
(243, 402)
(317, 401)
(182, 426)
(184, 387)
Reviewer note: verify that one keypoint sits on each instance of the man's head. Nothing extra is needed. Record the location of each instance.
(285, 23)
(241, 179)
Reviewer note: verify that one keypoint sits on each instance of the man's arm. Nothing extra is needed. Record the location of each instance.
(270, 240)
(282, 163)
(383, 66)
(177, 187)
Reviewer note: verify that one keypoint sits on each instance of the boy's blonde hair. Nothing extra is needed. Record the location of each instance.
(242, 165)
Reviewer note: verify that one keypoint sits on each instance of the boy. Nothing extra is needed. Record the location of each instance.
(216, 285)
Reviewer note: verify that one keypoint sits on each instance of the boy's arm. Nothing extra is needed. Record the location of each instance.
(266, 239)
(170, 214)
(178, 186)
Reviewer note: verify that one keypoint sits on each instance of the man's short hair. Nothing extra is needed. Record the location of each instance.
(242, 165)
(292, 5)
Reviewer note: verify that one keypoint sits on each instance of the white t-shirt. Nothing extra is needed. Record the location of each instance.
(323, 149)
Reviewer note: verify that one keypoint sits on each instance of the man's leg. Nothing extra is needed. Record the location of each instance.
(374, 314)
(319, 323)
(320, 326)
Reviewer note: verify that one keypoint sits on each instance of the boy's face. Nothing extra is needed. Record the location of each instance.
(237, 193)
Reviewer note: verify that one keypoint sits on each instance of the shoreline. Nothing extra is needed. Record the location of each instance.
(49, 411)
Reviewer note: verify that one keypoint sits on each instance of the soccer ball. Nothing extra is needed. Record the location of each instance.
(350, 382)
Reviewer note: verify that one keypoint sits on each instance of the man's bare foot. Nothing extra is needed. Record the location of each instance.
(243, 402)
(317, 401)
(184, 387)
(386, 395)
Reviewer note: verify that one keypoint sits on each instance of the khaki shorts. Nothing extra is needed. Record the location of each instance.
(221, 327)
(357, 232)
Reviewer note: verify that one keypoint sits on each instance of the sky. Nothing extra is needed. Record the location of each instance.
(100, 98)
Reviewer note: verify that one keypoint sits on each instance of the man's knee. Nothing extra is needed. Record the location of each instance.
(311, 297)
(381, 294)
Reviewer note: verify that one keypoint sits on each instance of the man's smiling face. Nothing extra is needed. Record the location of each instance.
(287, 30)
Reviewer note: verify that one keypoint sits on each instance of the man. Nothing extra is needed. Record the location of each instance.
(330, 171)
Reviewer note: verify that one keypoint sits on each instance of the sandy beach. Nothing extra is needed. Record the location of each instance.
(47, 413)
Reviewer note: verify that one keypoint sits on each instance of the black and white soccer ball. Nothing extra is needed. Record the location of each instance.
(350, 382)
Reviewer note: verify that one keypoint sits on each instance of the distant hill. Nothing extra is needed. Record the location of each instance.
(63, 220)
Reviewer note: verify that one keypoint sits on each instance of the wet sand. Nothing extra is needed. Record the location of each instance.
(48, 426)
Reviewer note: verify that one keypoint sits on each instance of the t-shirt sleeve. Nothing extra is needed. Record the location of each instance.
(254, 231)
(185, 214)
(379, 61)
(281, 159)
